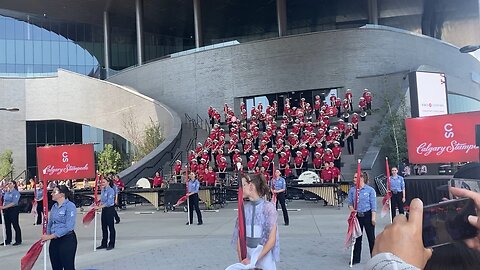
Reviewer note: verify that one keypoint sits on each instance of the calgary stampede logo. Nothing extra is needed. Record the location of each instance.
(51, 170)
(427, 149)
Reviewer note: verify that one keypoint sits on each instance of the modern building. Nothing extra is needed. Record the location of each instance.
(167, 58)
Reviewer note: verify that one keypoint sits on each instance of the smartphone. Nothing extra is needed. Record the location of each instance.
(447, 222)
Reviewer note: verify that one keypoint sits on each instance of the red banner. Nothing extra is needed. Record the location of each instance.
(66, 162)
(443, 139)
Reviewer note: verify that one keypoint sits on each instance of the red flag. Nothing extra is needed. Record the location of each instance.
(387, 199)
(181, 200)
(34, 202)
(31, 257)
(90, 215)
(354, 231)
(241, 222)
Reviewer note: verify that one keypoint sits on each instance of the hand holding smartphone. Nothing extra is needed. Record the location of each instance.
(447, 222)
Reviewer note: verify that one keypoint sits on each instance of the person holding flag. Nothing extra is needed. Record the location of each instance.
(107, 204)
(397, 188)
(39, 202)
(365, 210)
(279, 188)
(10, 212)
(193, 187)
(260, 227)
(60, 230)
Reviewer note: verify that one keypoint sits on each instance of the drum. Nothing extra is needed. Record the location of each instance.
(308, 177)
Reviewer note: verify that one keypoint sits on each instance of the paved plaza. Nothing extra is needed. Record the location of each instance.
(149, 239)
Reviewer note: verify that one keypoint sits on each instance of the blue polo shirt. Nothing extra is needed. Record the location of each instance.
(39, 194)
(12, 196)
(193, 186)
(108, 196)
(279, 183)
(62, 219)
(367, 199)
(397, 183)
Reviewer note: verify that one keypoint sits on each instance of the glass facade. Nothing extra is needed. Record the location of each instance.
(38, 47)
(459, 103)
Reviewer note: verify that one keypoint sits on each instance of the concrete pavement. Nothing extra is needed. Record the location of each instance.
(147, 239)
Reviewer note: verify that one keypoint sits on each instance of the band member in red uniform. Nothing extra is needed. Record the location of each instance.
(157, 180)
(317, 105)
(317, 162)
(335, 173)
(362, 104)
(337, 154)
(282, 162)
(355, 125)
(178, 170)
(266, 162)
(332, 100)
(298, 163)
(251, 164)
(210, 177)
(349, 97)
(338, 105)
(368, 100)
(349, 138)
(346, 105)
(288, 171)
(236, 155)
(328, 156)
(305, 155)
(326, 173)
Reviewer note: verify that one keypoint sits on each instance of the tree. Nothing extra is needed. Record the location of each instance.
(6, 163)
(109, 160)
(152, 138)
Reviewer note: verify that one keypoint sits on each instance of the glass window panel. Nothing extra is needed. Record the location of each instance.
(72, 31)
(60, 132)
(20, 68)
(80, 55)
(78, 133)
(69, 132)
(46, 35)
(31, 153)
(3, 51)
(41, 132)
(55, 46)
(80, 35)
(2, 27)
(3, 68)
(29, 52)
(36, 32)
(19, 30)
(72, 53)
(10, 28)
(37, 68)
(54, 29)
(10, 68)
(50, 132)
(29, 69)
(20, 51)
(46, 50)
(37, 52)
(63, 31)
(63, 53)
(31, 132)
(10, 52)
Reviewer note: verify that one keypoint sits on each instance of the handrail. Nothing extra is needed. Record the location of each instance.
(10, 173)
(24, 172)
(177, 140)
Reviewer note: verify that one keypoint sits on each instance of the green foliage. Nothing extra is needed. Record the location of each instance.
(6, 163)
(152, 138)
(109, 160)
(394, 142)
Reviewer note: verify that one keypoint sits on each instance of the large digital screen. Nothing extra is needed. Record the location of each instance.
(428, 94)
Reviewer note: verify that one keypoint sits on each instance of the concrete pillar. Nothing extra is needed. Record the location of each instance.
(282, 17)
(197, 18)
(139, 24)
(106, 42)
(373, 11)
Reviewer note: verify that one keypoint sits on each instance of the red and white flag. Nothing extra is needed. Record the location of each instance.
(354, 231)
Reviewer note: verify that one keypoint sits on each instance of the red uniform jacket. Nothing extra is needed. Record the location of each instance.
(326, 175)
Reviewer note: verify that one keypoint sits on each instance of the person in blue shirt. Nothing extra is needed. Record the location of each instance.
(397, 187)
(60, 230)
(279, 187)
(39, 199)
(10, 212)
(193, 187)
(366, 213)
(107, 204)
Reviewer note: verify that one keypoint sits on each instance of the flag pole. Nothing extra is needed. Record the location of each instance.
(95, 203)
(388, 189)
(34, 202)
(45, 221)
(3, 222)
(355, 205)
(188, 197)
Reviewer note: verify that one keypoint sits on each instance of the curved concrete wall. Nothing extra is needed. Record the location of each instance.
(84, 100)
(354, 58)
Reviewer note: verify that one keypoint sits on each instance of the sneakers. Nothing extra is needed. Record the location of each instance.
(110, 248)
(199, 223)
(101, 247)
(118, 221)
(6, 244)
(17, 244)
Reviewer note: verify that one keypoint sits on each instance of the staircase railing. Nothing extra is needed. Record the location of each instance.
(24, 173)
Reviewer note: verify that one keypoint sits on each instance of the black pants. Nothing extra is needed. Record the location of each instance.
(365, 222)
(39, 212)
(62, 252)
(193, 203)
(337, 162)
(108, 214)
(397, 202)
(281, 200)
(11, 218)
(350, 145)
